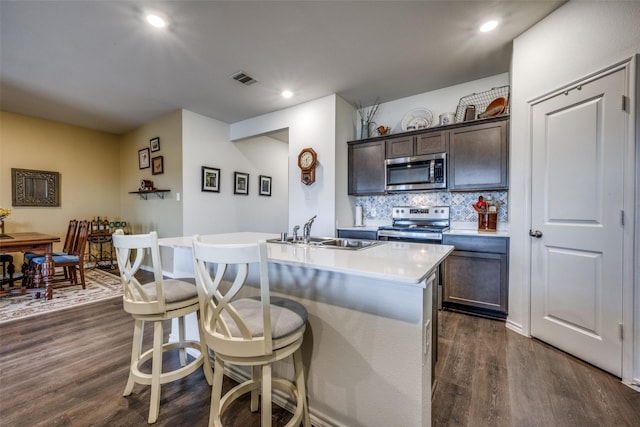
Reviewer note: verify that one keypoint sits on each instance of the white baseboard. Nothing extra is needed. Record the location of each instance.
(515, 327)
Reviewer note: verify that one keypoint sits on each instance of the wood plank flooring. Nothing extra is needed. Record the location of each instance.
(491, 376)
(69, 368)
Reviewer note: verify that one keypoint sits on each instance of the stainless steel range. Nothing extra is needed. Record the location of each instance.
(421, 224)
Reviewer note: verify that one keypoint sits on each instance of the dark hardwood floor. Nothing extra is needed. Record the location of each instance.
(69, 368)
(491, 376)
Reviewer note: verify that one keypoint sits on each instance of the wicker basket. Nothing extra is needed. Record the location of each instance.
(482, 100)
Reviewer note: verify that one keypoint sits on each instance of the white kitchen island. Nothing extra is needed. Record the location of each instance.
(367, 348)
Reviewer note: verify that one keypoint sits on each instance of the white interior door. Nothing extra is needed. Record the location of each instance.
(577, 200)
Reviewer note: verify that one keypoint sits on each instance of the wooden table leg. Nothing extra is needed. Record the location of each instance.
(45, 274)
(48, 270)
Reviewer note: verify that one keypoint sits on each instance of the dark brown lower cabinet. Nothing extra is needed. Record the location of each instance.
(476, 275)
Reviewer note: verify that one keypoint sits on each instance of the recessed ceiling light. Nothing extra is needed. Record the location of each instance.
(488, 26)
(156, 20)
(287, 94)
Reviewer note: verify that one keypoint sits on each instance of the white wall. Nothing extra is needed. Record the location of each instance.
(206, 143)
(312, 124)
(576, 40)
(345, 130)
(437, 101)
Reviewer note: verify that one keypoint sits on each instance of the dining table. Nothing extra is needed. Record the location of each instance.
(32, 241)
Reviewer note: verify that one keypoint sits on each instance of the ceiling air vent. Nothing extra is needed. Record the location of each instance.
(243, 78)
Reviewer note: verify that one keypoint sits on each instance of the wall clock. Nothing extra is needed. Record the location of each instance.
(307, 162)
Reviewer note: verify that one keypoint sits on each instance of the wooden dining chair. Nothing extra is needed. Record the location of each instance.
(66, 249)
(73, 261)
(248, 331)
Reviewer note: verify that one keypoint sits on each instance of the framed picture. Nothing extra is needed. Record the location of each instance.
(155, 144)
(143, 158)
(241, 183)
(35, 188)
(265, 185)
(158, 165)
(210, 179)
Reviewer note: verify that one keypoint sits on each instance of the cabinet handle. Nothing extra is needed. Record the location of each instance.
(537, 233)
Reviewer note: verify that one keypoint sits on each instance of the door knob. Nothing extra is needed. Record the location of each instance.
(537, 233)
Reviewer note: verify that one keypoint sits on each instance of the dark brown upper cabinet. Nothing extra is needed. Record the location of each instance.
(366, 167)
(479, 157)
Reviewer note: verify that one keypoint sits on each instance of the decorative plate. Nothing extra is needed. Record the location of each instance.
(419, 118)
(495, 108)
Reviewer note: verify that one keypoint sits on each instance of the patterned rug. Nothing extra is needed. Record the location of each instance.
(100, 285)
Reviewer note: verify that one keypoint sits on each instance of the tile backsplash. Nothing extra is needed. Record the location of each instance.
(378, 208)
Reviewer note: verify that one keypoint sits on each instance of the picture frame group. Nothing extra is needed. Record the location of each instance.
(211, 182)
(145, 160)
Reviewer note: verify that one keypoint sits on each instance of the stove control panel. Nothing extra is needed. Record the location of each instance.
(420, 212)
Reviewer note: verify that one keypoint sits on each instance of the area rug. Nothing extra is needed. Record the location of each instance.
(100, 285)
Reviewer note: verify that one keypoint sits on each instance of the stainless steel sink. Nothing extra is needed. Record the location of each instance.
(330, 242)
(290, 241)
(353, 244)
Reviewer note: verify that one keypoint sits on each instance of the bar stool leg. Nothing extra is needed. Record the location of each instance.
(156, 372)
(135, 355)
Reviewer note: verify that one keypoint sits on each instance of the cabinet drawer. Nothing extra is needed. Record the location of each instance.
(496, 245)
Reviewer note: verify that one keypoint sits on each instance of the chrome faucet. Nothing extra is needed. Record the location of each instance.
(307, 229)
(295, 233)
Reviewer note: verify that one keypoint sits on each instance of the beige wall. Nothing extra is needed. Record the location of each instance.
(88, 162)
(97, 169)
(162, 215)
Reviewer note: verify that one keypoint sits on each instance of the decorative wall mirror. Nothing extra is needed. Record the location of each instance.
(35, 188)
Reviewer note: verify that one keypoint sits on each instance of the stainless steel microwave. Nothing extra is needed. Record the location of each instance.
(427, 172)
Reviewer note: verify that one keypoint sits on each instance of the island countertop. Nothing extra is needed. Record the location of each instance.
(368, 349)
(401, 262)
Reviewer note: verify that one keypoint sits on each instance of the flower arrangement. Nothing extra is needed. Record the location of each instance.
(366, 117)
(4, 213)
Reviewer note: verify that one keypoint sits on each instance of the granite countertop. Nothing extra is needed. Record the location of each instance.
(400, 262)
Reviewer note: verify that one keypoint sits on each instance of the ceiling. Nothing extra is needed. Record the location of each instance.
(96, 64)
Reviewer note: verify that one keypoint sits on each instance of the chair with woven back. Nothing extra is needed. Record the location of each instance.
(248, 331)
(72, 262)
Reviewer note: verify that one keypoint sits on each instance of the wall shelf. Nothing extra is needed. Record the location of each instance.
(145, 193)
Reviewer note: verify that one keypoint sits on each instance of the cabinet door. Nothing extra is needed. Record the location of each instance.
(478, 157)
(400, 147)
(432, 142)
(366, 168)
(476, 279)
